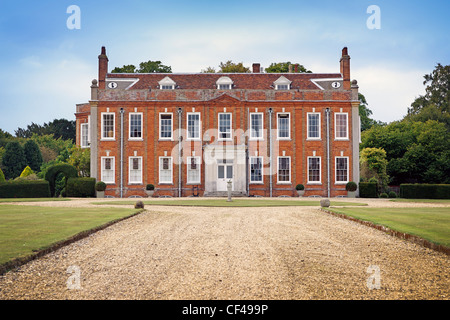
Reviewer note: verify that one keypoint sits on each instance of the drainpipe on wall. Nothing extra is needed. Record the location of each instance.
(121, 152)
(247, 178)
(180, 111)
(327, 112)
(270, 151)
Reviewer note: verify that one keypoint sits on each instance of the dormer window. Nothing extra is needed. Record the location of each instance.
(224, 83)
(282, 83)
(167, 84)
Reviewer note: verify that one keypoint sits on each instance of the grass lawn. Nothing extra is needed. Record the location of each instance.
(432, 224)
(32, 199)
(237, 202)
(24, 229)
(444, 201)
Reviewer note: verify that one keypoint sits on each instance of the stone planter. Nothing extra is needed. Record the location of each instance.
(301, 193)
(149, 193)
(351, 194)
(100, 194)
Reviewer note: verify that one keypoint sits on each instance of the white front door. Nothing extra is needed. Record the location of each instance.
(224, 174)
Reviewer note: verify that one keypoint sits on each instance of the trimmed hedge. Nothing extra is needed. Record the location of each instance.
(425, 191)
(80, 187)
(25, 189)
(52, 171)
(368, 190)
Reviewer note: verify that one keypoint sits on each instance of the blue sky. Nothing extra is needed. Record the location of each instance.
(48, 68)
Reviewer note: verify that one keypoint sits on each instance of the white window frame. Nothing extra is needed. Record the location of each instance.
(262, 170)
(188, 169)
(113, 170)
(320, 170)
(336, 171)
(167, 84)
(130, 166)
(103, 126)
(224, 83)
(129, 126)
(171, 126)
(282, 81)
(278, 170)
(308, 126)
(252, 136)
(336, 127)
(171, 170)
(219, 133)
(199, 125)
(278, 126)
(84, 128)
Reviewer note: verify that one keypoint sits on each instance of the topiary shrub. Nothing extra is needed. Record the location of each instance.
(425, 191)
(149, 187)
(351, 186)
(80, 187)
(26, 172)
(384, 195)
(24, 189)
(368, 190)
(392, 194)
(100, 186)
(299, 187)
(52, 172)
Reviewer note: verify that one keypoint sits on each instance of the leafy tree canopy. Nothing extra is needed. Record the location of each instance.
(283, 67)
(144, 67)
(59, 128)
(228, 67)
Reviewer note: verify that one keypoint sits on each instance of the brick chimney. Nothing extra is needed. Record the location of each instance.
(296, 68)
(256, 68)
(345, 68)
(102, 68)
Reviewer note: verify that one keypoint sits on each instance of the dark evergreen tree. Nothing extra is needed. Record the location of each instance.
(14, 160)
(33, 155)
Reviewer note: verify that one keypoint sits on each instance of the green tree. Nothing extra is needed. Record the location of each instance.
(59, 128)
(283, 67)
(14, 160)
(2, 176)
(374, 165)
(33, 155)
(144, 67)
(231, 67)
(437, 91)
(80, 158)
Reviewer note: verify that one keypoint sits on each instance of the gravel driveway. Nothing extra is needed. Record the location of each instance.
(233, 253)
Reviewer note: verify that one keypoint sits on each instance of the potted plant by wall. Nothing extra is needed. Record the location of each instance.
(100, 188)
(149, 190)
(351, 189)
(300, 190)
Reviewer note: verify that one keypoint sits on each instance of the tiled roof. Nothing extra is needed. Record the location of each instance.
(256, 81)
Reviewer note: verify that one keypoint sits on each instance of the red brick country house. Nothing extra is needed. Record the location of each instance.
(189, 134)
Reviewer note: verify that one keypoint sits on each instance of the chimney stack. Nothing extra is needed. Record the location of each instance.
(345, 68)
(296, 68)
(256, 68)
(290, 68)
(102, 68)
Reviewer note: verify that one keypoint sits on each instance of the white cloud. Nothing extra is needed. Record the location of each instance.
(389, 91)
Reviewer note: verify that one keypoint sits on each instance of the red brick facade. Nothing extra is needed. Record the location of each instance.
(158, 107)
